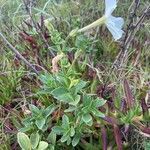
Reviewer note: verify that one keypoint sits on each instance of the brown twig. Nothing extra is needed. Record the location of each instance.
(132, 33)
(131, 30)
(18, 54)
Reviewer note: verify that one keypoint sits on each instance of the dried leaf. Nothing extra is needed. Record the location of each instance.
(55, 61)
(104, 138)
(144, 107)
(118, 137)
(128, 94)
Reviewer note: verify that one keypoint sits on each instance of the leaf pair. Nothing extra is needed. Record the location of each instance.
(33, 143)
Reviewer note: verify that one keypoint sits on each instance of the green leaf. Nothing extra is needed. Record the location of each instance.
(62, 94)
(97, 113)
(52, 137)
(64, 138)
(34, 109)
(79, 86)
(58, 130)
(90, 123)
(67, 98)
(87, 100)
(99, 102)
(49, 110)
(70, 109)
(76, 101)
(72, 131)
(48, 25)
(65, 120)
(40, 123)
(63, 80)
(76, 140)
(147, 145)
(34, 138)
(27, 128)
(73, 33)
(16, 122)
(23, 141)
(82, 42)
(42, 145)
(51, 147)
(73, 82)
(59, 91)
(28, 121)
(68, 141)
(86, 118)
(85, 109)
(47, 80)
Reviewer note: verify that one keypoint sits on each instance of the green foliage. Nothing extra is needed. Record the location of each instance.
(52, 139)
(69, 132)
(42, 145)
(90, 106)
(63, 88)
(30, 144)
(79, 106)
(24, 141)
(9, 83)
(147, 145)
(129, 116)
(34, 138)
(39, 118)
(69, 90)
(84, 43)
(66, 130)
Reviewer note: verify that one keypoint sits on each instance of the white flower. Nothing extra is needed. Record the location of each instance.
(114, 24)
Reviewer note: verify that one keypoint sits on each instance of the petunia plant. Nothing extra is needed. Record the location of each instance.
(76, 102)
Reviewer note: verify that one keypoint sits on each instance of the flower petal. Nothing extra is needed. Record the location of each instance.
(110, 5)
(118, 21)
(114, 25)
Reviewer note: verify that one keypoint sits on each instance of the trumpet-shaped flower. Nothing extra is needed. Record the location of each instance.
(114, 24)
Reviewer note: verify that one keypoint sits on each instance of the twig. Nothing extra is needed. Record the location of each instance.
(131, 30)
(132, 34)
(131, 20)
(18, 54)
(131, 17)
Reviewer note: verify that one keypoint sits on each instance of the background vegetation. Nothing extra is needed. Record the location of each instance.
(88, 92)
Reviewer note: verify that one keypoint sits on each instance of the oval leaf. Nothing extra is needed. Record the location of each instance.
(34, 138)
(86, 118)
(76, 140)
(23, 141)
(40, 123)
(52, 137)
(42, 145)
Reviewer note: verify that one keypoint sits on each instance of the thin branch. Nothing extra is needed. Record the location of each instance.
(133, 33)
(132, 28)
(18, 54)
